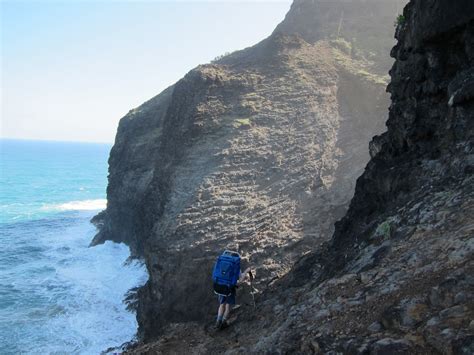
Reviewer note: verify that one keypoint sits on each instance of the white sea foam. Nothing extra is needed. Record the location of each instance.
(80, 291)
(57, 295)
(84, 205)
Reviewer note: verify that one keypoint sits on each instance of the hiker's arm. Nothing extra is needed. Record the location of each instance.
(244, 274)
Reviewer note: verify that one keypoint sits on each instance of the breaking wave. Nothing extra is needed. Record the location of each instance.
(85, 205)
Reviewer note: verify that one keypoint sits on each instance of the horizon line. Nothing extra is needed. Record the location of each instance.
(54, 140)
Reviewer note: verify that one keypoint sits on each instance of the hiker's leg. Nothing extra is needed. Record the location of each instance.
(220, 311)
(230, 301)
(227, 311)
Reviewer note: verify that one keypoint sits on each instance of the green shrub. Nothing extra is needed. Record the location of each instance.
(383, 230)
(343, 45)
(400, 20)
(219, 57)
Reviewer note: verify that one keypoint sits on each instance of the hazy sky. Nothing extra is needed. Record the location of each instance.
(71, 69)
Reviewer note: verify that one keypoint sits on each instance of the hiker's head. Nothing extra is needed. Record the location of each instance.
(231, 252)
(234, 246)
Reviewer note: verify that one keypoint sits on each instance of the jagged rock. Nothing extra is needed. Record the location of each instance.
(464, 345)
(390, 346)
(376, 144)
(375, 327)
(461, 89)
(310, 346)
(407, 314)
(454, 312)
(413, 312)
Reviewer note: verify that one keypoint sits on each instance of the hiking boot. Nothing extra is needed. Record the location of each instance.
(223, 324)
(218, 324)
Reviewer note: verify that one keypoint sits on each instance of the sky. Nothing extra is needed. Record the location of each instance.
(71, 69)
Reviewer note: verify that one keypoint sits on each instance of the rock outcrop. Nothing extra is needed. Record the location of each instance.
(258, 151)
(397, 276)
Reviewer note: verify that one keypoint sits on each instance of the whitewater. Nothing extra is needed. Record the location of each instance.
(58, 295)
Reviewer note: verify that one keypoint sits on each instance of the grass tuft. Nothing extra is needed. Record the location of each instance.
(384, 230)
(239, 122)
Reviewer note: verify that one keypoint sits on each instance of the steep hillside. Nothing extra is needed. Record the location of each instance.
(397, 277)
(366, 25)
(258, 151)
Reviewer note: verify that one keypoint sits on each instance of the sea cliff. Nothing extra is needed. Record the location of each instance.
(260, 151)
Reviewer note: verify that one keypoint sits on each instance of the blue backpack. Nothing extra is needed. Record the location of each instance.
(226, 273)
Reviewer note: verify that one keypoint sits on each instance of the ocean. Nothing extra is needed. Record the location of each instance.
(57, 295)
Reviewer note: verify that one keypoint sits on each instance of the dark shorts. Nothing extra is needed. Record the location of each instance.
(227, 299)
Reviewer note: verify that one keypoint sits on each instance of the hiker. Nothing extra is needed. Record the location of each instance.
(226, 276)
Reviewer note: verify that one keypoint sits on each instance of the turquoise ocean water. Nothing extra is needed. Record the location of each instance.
(57, 295)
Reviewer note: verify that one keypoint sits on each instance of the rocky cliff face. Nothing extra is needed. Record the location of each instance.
(258, 151)
(397, 276)
(365, 24)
